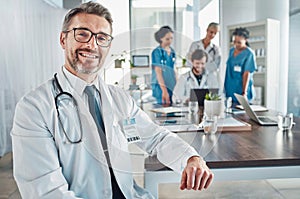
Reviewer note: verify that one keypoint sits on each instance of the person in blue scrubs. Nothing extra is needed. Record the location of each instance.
(163, 73)
(240, 67)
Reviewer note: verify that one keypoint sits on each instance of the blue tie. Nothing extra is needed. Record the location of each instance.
(95, 110)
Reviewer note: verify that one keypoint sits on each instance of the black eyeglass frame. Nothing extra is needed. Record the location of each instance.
(92, 34)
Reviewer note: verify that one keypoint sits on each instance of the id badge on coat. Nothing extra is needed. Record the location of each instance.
(131, 133)
(237, 69)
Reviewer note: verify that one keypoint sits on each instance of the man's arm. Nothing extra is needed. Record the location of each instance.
(37, 170)
(180, 90)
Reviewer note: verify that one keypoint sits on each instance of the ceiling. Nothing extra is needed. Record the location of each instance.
(67, 4)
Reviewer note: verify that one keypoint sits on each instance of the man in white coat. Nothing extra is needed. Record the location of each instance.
(58, 146)
(197, 77)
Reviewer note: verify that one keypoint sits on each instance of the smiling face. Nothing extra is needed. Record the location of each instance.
(85, 59)
(199, 65)
(211, 32)
(239, 42)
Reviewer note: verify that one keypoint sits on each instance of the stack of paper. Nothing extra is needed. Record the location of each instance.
(228, 124)
(166, 110)
(232, 124)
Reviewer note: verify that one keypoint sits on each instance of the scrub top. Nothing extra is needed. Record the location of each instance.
(236, 66)
(160, 58)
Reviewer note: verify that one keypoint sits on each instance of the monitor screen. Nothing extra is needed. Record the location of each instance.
(140, 60)
(198, 94)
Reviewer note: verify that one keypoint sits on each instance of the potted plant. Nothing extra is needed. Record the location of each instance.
(212, 104)
(183, 62)
(133, 79)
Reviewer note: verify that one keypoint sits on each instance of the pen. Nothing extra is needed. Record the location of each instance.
(170, 115)
(170, 121)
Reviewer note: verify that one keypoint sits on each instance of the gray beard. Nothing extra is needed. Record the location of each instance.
(77, 66)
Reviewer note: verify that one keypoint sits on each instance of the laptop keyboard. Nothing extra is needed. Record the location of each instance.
(265, 119)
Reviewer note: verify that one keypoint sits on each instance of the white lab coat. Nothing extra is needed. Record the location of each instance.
(188, 81)
(47, 167)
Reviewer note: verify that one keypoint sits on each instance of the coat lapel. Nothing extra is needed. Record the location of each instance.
(90, 137)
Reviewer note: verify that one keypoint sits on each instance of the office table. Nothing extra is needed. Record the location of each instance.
(262, 153)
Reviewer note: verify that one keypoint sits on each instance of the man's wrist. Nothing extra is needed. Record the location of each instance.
(195, 158)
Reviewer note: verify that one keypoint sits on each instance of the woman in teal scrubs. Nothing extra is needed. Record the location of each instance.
(163, 73)
(240, 67)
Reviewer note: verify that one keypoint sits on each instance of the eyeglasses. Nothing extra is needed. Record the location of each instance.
(84, 35)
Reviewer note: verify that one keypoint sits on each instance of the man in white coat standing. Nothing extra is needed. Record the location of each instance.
(71, 135)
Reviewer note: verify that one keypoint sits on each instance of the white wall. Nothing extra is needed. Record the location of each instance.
(121, 40)
(294, 66)
(278, 9)
(30, 54)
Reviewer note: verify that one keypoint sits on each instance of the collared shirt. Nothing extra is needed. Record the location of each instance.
(79, 85)
(213, 51)
(198, 78)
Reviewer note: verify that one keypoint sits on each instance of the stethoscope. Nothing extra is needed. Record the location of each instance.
(189, 77)
(163, 60)
(61, 96)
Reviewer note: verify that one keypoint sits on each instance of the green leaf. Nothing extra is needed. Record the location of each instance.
(212, 96)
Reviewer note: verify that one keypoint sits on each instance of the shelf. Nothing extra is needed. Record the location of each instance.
(256, 41)
(264, 41)
(259, 73)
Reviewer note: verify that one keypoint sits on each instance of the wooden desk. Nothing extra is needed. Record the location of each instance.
(263, 153)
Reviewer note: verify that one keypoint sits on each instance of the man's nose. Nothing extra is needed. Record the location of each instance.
(93, 42)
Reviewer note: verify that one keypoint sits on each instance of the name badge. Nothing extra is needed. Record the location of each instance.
(237, 69)
(131, 133)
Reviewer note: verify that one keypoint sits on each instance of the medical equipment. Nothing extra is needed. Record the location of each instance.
(164, 59)
(63, 99)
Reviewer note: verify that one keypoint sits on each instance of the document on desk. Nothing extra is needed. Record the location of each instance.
(228, 124)
(177, 125)
(231, 124)
(171, 109)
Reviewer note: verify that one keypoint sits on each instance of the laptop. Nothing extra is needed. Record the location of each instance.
(198, 94)
(262, 120)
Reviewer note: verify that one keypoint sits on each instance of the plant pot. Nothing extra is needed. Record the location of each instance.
(212, 107)
(118, 63)
(133, 81)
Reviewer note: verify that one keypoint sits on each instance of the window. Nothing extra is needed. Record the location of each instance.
(188, 18)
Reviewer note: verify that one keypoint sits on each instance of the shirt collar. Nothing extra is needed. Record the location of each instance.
(78, 84)
(210, 44)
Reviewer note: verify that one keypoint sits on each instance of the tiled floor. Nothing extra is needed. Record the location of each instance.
(279, 188)
(8, 187)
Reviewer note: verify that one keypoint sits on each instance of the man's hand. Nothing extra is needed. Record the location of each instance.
(196, 175)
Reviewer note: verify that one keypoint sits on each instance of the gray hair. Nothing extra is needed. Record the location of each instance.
(88, 8)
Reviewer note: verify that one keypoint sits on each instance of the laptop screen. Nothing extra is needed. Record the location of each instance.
(140, 60)
(198, 94)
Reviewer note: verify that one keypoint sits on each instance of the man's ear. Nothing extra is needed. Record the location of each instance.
(62, 40)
